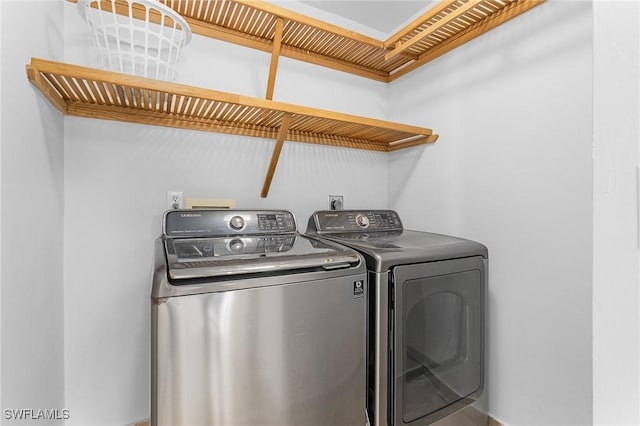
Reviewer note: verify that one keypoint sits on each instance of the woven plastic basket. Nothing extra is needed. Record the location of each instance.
(139, 37)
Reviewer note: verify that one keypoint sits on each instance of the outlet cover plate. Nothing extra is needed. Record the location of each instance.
(336, 202)
(175, 200)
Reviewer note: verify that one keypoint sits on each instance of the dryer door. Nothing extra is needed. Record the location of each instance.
(438, 350)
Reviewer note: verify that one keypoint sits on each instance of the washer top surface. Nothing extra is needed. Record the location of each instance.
(201, 244)
(379, 235)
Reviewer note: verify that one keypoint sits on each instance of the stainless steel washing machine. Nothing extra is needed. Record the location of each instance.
(254, 324)
(427, 305)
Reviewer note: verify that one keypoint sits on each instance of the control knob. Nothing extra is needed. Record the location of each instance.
(362, 221)
(236, 245)
(236, 223)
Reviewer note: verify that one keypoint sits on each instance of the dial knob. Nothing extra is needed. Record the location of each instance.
(236, 223)
(362, 221)
(236, 245)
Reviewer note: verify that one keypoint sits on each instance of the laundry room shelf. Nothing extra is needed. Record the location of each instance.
(441, 28)
(93, 93)
(264, 26)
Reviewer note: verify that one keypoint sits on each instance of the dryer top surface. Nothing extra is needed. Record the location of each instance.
(383, 241)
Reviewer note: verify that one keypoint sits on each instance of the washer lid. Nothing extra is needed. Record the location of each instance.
(190, 258)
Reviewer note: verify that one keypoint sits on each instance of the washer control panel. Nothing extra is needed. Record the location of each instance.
(218, 223)
(339, 221)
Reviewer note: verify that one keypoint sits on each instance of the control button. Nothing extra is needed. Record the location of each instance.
(362, 221)
(236, 246)
(236, 223)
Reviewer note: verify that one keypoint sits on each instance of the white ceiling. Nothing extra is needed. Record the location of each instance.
(382, 15)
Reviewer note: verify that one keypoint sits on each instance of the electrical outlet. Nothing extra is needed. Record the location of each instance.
(175, 200)
(335, 202)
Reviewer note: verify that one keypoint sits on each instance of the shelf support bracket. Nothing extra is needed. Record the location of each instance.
(282, 134)
(275, 55)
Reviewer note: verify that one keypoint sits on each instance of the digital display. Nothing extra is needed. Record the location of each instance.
(271, 222)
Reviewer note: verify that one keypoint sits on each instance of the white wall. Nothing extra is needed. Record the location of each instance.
(513, 170)
(616, 294)
(32, 172)
(116, 178)
(1, 134)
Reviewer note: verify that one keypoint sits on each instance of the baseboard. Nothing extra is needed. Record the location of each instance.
(147, 422)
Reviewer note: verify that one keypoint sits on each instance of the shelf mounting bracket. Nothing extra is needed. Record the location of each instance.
(275, 55)
(282, 134)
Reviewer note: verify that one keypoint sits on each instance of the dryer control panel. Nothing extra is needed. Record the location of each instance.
(341, 221)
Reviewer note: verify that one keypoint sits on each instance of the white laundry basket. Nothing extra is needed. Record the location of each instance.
(139, 37)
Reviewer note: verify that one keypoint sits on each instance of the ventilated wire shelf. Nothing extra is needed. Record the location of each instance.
(252, 23)
(93, 93)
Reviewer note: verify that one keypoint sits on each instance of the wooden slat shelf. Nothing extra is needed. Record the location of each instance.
(93, 93)
(253, 23)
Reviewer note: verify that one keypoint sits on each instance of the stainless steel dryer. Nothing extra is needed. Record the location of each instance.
(426, 362)
(253, 324)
